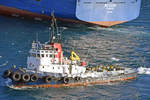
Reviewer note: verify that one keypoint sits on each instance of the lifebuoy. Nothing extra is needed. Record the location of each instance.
(48, 79)
(16, 76)
(25, 77)
(33, 77)
(6, 74)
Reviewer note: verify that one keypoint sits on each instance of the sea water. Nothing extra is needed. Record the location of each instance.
(126, 45)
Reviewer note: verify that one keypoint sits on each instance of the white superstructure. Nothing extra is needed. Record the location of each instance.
(49, 58)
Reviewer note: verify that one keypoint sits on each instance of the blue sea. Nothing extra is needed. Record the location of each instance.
(126, 44)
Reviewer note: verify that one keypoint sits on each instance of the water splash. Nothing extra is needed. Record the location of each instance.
(4, 64)
(20, 88)
(143, 70)
(114, 59)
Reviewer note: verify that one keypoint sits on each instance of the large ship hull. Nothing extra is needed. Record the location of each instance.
(101, 12)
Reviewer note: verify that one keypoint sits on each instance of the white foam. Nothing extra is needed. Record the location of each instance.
(64, 28)
(143, 70)
(17, 88)
(12, 43)
(114, 59)
(19, 51)
(4, 64)
(21, 88)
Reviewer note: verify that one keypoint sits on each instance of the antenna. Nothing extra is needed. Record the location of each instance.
(55, 35)
(52, 29)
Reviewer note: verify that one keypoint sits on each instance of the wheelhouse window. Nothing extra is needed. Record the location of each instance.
(55, 56)
(38, 55)
(50, 55)
(33, 55)
(42, 55)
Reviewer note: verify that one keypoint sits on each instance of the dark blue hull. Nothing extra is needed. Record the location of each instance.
(102, 12)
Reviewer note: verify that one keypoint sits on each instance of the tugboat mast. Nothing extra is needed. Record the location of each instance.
(55, 35)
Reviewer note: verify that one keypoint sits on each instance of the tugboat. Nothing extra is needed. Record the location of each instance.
(47, 67)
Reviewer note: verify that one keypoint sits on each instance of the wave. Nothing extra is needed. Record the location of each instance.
(4, 64)
(143, 70)
(125, 29)
(19, 88)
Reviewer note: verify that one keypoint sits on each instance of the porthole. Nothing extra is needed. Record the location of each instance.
(50, 55)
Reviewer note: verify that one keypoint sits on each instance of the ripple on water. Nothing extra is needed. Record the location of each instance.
(126, 44)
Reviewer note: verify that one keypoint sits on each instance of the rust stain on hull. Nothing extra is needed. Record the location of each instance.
(23, 13)
(108, 23)
(100, 82)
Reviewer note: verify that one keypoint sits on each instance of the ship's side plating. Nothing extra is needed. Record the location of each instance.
(48, 58)
(107, 12)
(99, 78)
(102, 12)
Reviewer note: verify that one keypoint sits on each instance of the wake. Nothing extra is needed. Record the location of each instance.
(143, 70)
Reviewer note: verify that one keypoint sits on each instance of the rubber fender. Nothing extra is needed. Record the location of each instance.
(33, 78)
(6, 74)
(25, 77)
(48, 79)
(16, 76)
(66, 80)
(77, 78)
